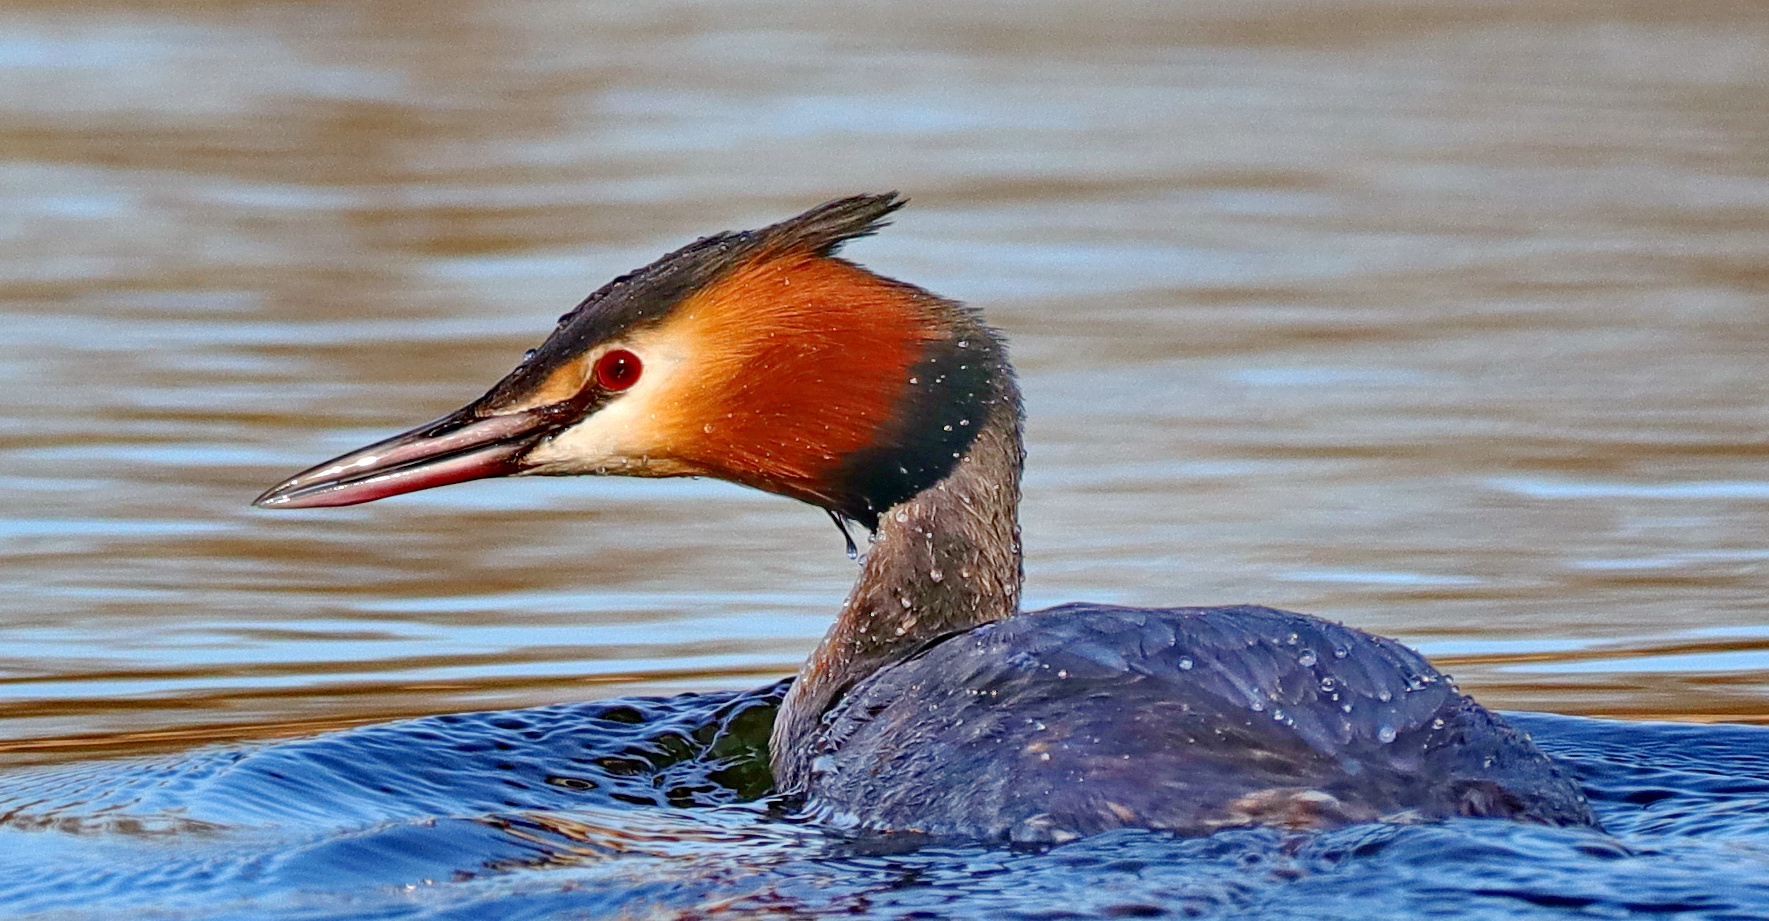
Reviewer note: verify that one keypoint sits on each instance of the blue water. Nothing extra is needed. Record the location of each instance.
(657, 807)
(1443, 318)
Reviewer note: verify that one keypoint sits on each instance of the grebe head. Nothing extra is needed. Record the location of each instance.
(758, 357)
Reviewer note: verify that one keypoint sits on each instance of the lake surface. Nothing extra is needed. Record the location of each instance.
(1447, 320)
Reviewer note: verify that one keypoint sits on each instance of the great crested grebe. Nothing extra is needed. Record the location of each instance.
(934, 707)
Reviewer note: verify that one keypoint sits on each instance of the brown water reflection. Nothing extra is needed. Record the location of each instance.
(1445, 319)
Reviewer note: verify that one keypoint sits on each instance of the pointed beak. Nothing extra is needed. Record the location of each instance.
(458, 447)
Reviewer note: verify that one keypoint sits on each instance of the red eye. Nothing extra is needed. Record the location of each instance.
(618, 370)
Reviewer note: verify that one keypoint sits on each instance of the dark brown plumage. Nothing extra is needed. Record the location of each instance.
(933, 708)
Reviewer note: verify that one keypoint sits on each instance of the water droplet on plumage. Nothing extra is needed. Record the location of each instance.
(1437, 723)
(1185, 663)
(1385, 735)
(1307, 658)
(936, 575)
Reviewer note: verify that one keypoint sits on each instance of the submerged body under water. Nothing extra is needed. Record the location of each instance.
(660, 807)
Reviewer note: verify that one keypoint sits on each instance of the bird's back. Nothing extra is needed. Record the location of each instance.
(1076, 719)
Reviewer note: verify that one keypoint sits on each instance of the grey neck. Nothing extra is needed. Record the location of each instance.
(944, 561)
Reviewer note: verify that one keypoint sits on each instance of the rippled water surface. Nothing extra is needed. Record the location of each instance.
(1445, 319)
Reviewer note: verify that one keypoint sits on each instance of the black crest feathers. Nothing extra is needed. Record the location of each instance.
(648, 295)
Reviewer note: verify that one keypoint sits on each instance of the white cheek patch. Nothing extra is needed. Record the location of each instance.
(625, 436)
